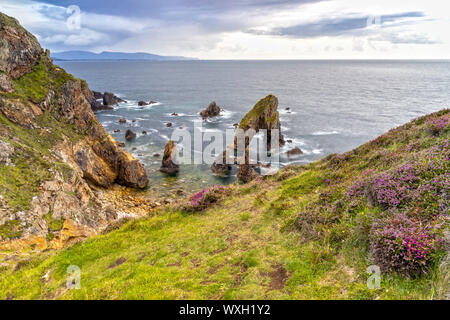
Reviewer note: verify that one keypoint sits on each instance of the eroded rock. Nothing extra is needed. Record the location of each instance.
(168, 166)
(213, 110)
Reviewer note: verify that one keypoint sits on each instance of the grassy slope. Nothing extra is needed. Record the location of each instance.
(246, 247)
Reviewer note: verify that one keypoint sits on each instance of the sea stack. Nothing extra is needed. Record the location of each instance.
(263, 116)
(213, 110)
(168, 166)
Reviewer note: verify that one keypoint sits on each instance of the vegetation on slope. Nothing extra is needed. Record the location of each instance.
(32, 162)
(310, 232)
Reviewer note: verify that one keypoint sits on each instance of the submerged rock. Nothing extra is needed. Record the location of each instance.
(213, 110)
(123, 120)
(130, 135)
(168, 166)
(142, 103)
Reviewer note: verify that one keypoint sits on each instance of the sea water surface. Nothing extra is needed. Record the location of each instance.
(335, 106)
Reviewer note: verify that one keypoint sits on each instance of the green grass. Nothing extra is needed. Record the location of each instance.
(249, 245)
(215, 255)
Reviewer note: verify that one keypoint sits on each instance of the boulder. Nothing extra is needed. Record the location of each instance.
(6, 84)
(213, 110)
(123, 120)
(131, 172)
(294, 152)
(144, 132)
(174, 114)
(246, 173)
(91, 97)
(142, 104)
(169, 125)
(168, 166)
(130, 135)
(109, 99)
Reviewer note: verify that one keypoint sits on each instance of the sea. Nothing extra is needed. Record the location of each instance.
(325, 106)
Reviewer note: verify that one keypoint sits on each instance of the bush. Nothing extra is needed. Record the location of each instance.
(205, 198)
(404, 244)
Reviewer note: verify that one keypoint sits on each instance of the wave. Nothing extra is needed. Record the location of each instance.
(133, 105)
(325, 133)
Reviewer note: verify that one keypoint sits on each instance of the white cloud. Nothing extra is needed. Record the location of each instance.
(224, 34)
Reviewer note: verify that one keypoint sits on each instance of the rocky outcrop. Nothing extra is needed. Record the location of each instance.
(19, 49)
(263, 116)
(59, 156)
(168, 166)
(6, 84)
(294, 152)
(109, 99)
(213, 110)
(92, 97)
(130, 135)
(247, 173)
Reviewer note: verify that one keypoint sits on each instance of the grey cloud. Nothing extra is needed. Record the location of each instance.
(355, 25)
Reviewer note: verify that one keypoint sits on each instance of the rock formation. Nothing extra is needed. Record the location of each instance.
(130, 135)
(168, 166)
(59, 156)
(294, 152)
(263, 116)
(213, 110)
(109, 99)
(142, 104)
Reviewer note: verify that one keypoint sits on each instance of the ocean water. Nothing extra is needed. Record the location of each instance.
(335, 106)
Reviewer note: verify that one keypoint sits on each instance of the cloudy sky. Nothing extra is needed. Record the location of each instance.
(243, 29)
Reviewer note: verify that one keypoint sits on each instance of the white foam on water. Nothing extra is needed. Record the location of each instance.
(133, 105)
(325, 133)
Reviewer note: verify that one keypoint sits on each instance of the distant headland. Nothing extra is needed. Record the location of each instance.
(138, 56)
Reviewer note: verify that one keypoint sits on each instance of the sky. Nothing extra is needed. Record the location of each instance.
(242, 29)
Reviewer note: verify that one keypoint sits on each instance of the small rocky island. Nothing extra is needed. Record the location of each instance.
(213, 110)
(264, 115)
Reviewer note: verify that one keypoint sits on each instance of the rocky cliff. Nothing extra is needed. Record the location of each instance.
(55, 156)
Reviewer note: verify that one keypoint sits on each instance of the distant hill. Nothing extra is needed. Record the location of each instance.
(86, 55)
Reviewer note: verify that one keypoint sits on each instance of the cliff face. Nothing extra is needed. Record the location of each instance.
(54, 153)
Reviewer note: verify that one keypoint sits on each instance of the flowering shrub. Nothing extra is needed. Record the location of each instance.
(205, 198)
(437, 126)
(405, 245)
